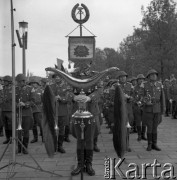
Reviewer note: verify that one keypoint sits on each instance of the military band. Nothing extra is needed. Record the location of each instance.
(146, 100)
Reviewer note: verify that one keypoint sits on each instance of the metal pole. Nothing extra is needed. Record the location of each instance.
(23, 55)
(13, 85)
(80, 12)
(80, 29)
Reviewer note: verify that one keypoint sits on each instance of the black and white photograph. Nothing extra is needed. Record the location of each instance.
(88, 89)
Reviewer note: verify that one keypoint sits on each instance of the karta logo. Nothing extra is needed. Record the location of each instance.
(134, 171)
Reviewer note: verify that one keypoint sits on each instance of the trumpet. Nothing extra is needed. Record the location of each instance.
(19, 117)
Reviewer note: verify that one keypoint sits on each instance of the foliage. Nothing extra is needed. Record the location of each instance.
(152, 45)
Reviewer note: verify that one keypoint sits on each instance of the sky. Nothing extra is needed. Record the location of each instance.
(49, 21)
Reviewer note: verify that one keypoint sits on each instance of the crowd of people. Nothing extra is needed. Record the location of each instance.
(146, 99)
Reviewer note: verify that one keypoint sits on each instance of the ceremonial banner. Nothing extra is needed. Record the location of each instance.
(81, 48)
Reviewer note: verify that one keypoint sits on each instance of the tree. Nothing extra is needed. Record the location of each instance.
(99, 63)
(154, 44)
(159, 23)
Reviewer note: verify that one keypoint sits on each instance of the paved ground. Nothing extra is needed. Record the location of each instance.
(63, 164)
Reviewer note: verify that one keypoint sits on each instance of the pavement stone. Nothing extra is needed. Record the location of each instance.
(63, 164)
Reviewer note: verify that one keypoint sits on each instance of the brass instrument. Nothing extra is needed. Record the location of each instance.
(19, 117)
(148, 99)
(56, 119)
(139, 103)
(84, 84)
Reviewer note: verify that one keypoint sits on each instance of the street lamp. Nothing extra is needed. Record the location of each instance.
(22, 34)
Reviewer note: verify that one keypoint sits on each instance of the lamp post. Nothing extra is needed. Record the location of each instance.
(23, 31)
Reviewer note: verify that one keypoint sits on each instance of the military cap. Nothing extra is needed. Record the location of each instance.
(112, 81)
(20, 77)
(166, 80)
(33, 80)
(44, 80)
(7, 78)
(140, 76)
(152, 71)
(122, 73)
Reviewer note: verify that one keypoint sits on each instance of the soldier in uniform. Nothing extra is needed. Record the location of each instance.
(90, 132)
(36, 108)
(133, 81)
(7, 108)
(154, 106)
(24, 101)
(1, 100)
(43, 83)
(95, 109)
(110, 104)
(128, 94)
(166, 86)
(138, 112)
(173, 97)
(106, 106)
(62, 98)
(92, 125)
(70, 107)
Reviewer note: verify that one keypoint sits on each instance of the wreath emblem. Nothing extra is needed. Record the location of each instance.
(81, 51)
(73, 13)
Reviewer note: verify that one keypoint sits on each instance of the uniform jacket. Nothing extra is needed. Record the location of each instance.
(137, 95)
(7, 98)
(156, 92)
(37, 99)
(127, 89)
(61, 90)
(93, 105)
(24, 94)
